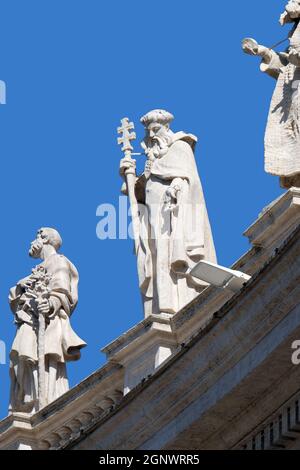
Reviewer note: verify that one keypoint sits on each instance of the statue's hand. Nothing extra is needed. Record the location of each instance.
(171, 197)
(172, 192)
(45, 307)
(127, 164)
(251, 47)
(25, 284)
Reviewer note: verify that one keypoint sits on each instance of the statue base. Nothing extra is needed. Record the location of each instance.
(143, 349)
(276, 221)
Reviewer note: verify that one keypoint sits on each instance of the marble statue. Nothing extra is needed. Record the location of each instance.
(282, 139)
(42, 304)
(172, 229)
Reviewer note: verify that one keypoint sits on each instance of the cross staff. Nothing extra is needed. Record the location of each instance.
(35, 294)
(126, 138)
(130, 175)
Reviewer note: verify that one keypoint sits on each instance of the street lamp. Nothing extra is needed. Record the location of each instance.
(219, 276)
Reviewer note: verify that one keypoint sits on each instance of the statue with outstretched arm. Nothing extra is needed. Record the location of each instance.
(282, 137)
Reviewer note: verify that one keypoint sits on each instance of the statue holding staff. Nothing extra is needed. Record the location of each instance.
(173, 231)
(42, 304)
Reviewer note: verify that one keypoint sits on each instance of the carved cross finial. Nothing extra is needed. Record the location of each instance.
(126, 138)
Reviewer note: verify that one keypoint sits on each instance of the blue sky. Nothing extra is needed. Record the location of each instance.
(73, 69)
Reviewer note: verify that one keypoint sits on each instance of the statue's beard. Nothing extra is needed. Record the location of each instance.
(157, 147)
(36, 249)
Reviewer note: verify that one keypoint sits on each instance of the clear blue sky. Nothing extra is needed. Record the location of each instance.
(73, 69)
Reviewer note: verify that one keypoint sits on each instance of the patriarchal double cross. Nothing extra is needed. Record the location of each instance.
(127, 136)
(130, 175)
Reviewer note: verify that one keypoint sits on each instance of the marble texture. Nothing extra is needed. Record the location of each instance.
(282, 138)
(174, 232)
(42, 304)
(143, 349)
(228, 379)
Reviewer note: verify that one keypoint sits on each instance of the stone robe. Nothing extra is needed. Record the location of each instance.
(171, 243)
(282, 138)
(61, 342)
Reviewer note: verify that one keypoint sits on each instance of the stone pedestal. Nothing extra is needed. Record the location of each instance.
(18, 432)
(276, 221)
(143, 349)
(231, 381)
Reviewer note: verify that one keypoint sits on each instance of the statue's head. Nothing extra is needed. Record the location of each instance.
(292, 12)
(158, 132)
(45, 236)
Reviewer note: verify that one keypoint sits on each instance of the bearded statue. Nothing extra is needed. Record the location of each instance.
(58, 278)
(175, 231)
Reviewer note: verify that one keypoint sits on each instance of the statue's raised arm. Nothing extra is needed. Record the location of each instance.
(272, 62)
(282, 139)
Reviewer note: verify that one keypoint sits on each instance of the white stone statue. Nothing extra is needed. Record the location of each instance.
(282, 139)
(173, 231)
(42, 304)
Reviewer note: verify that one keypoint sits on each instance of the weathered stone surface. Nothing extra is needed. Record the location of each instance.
(282, 139)
(42, 304)
(172, 231)
(228, 382)
(223, 383)
(67, 417)
(143, 349)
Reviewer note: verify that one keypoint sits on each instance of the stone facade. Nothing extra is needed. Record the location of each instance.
(216, 375)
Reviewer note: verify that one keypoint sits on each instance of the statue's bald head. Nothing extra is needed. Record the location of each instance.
(45, 237)
(51, 236)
